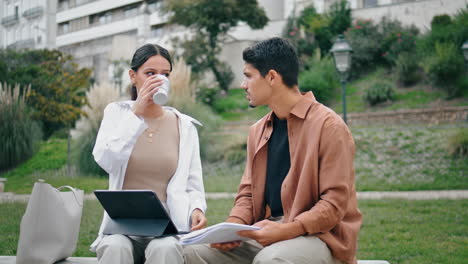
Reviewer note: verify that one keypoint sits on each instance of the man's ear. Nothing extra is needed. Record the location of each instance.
(273, 77)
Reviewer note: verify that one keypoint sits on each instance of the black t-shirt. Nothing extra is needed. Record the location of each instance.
(278, 164)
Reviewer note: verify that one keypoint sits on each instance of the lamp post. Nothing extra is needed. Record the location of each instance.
(342, 56)
(465, 53)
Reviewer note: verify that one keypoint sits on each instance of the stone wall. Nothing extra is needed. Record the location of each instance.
(432, 116)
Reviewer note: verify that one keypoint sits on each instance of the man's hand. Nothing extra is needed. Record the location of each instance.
(198, 220)
(228, 246)
(273, 232)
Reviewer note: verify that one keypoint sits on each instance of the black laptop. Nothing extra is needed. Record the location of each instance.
(136, 212)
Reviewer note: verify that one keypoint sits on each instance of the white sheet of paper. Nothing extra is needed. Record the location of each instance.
(219, 233)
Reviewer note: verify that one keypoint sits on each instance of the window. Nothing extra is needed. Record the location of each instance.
(370, 3)
(131, 11)
(157, 31)
(63, 4)
(64, 28)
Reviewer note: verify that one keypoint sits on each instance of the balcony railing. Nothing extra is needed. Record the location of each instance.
(10, 20)
(33, 12)
(22, 44)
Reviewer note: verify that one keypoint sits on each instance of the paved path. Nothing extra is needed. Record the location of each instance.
(410, 195)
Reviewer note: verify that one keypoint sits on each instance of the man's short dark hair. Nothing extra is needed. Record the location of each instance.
(274, 54)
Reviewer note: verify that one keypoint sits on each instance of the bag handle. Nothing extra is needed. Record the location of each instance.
(74, 193)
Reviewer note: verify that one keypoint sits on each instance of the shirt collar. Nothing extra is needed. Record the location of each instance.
(299, 110)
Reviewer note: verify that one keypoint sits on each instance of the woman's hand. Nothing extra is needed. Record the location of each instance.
(198, 220)
(145, 94)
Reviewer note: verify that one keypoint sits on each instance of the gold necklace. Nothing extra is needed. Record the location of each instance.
(151, 132)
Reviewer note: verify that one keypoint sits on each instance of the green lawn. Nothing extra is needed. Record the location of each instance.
(399, 231)
(392, 158)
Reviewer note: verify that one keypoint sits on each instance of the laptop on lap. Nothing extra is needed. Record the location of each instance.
(136, 212)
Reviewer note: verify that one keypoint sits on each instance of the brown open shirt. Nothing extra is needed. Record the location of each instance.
(319, 189)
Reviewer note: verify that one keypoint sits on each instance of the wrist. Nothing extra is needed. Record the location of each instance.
(293, 229)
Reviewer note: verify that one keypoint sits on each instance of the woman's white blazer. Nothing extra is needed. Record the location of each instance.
(119, 131)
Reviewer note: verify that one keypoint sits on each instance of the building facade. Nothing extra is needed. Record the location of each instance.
(27, 24)
(103, 34)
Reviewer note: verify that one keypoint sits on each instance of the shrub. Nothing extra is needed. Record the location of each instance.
(407, 68)
(19, 133)
(366, 41)
(206, 95)
(445, 67)
(379, 92)
(458, 143)
(87, 127)
(321, 78)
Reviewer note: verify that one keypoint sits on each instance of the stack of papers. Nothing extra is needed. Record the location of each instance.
(219, 233)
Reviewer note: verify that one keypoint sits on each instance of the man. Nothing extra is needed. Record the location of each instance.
(298, 183)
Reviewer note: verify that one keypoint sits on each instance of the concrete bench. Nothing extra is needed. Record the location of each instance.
(75, 260)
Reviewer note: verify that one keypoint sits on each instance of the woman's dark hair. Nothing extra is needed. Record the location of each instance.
(142, 55)
(274, 54)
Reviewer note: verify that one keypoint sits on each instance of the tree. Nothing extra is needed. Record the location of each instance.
(211, 20)
(58, 85)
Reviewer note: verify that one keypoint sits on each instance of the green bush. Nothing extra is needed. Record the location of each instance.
(407, 68)
(379, 92)
(458, 143)
(321, 78)
(445, 67)
(19, 133)
(206, 95)
(366, 41)
(82, 152)
(235, 101)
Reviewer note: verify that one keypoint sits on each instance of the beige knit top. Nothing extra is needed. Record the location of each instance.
(154, 158)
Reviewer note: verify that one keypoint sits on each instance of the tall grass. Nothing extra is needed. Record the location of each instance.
(182, 97)
(19, 133)
(87, 126)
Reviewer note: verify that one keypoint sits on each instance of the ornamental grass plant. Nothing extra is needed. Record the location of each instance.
(19, 133)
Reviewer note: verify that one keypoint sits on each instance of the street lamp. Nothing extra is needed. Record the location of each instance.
(465, 52)
(342, 55)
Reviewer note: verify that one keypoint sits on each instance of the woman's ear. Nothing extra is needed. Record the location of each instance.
(132, 75)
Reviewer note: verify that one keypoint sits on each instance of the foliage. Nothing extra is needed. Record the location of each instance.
(379, 92)
(311, 29)
(211, 20)
(19, 134)
(206, 95)
(321, 78)
(458, 143)
(366, 40)
(445, 67)
(57, 84)
(87, 127)
(407, 68)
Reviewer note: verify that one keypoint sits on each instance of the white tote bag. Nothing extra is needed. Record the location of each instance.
(50, 226)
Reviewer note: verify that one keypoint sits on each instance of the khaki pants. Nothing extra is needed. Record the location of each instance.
(303, 249)
(120, 249)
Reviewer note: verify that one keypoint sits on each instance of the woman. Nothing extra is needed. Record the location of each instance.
(143, 145)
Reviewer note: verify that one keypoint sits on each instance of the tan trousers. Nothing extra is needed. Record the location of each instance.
(120, 249)
(300, 250)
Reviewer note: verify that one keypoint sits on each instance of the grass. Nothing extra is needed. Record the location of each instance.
(234, 106)
(407, 158)
(49, 164)
(392, 158)
(399, 231)
(418, 96)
